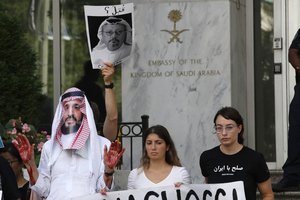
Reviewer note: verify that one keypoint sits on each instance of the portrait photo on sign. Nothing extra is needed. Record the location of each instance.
(109, 33)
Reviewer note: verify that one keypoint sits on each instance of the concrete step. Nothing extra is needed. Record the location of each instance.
(276, 175)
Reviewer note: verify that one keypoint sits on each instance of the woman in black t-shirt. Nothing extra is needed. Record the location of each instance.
(232, 161)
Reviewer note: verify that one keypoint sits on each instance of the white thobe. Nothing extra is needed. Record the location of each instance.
(69, 176)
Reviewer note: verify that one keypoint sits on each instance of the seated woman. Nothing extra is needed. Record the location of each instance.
(11, 154)
(160, 165)
(235, 161)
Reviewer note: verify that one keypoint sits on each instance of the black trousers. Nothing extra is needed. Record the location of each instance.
(291, 168)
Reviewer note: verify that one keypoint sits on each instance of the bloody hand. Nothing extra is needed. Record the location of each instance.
(26, 152)
(112, 157)
(23, 146)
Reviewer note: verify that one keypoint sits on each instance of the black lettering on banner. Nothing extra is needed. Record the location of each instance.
(234, 194)
(163, 195)
(218, 193)
(150, 193)
(205, 193)
(178, 194)
(190, 193)
(131, 197)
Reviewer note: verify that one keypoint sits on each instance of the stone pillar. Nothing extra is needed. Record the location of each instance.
(181, 73)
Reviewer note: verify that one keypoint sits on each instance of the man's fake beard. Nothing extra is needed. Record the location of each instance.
(71, 129)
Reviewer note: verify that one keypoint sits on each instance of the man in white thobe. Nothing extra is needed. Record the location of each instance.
(75, 162)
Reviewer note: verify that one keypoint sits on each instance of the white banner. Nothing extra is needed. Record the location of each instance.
(224, 191)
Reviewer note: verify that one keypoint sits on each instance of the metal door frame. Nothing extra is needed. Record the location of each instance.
(283, 82)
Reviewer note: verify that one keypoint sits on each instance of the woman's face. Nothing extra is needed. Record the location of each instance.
(227, 131)
(156, 147)
(14, 163)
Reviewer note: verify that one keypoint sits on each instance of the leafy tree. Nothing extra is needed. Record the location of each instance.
(20, 86)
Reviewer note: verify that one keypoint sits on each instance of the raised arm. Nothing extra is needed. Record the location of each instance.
(110, 127)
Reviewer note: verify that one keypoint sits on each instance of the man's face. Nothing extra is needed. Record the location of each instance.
(72, 116)
(113, 36)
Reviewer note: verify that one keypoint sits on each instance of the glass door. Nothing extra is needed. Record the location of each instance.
(264, 79)
(286, 24)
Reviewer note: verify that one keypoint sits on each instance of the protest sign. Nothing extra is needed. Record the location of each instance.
(109, 33)
(222, 191)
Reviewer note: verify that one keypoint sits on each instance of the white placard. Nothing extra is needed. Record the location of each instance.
(109, 33)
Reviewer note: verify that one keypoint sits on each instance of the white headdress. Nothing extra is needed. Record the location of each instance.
(87, 133)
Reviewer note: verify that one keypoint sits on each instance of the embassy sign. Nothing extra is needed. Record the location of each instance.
(224, 191)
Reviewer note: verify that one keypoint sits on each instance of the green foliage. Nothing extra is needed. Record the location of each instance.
(20, 86)
(16, 126)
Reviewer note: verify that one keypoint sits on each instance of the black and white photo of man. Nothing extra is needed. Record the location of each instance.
(109, 33)
(115, 41)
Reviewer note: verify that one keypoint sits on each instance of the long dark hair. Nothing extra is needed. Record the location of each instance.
(171, 155)
(231, 113)
(10, 148)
